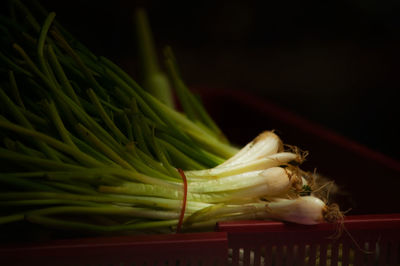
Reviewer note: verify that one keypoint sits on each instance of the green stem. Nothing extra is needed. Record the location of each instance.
(159, 117)
(155, 81)
(62, 224)
(72, 188)
(28, 15)
(201, 156)
(162, 156)
(91, 138)
(147, 159)
(119, 77)
(107, 210)
(23, 149)
(64, 44)
(109, 123)
(147, 169)
(90, 122)
(41, 202)
(25, 123)
(15, 90)
(31, 64)
(86, 148)
(139, 126)
(42, 39)
(128, 126)
(12, 218)
(65, 135)
(213, 145)
(168, 115)
(40, 163)
(77, 154)
(25, 184)
(192, 106)
(180, 159)
(62, 76)
(33, 118)
(14, 66)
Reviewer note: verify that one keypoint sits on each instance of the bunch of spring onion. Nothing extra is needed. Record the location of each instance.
(85, 147)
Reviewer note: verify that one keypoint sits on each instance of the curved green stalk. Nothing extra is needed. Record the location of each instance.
(41, 41)
(62, 76)
(65, 135)
(15, 90)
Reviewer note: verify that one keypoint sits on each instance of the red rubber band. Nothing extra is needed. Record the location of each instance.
(178, 228)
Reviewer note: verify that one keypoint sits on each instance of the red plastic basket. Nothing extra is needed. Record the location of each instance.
(365, 240)
(208, 248)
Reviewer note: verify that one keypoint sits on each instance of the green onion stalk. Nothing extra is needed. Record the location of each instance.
(86, 147)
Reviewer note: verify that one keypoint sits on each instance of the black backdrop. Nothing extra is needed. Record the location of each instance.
(334, 62)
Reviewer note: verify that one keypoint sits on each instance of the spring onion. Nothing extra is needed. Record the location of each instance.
(87, 148)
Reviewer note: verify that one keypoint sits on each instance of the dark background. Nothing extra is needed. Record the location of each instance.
(333, 62)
